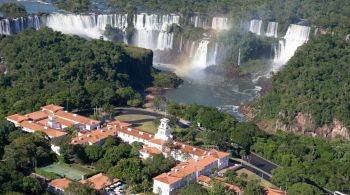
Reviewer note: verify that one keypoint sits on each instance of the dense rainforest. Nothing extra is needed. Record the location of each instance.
(49, 67)
(314, 82)
(325, 14)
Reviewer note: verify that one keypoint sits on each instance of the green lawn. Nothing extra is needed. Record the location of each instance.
(253, 176)
(147, 127)
(133, 117)
(74, 171)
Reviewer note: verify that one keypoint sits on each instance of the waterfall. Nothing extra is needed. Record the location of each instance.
(213, 55)
(272, 29)
(83, 25)
(296, 36)
(5, 27)
(181, 43)
(199, 22)
(347, 38)
(239, 57)
(192, 49)
(200, 57)
(165, 41)
(152, 31)
(16, 25)
(91, 26)
(255, 26)
(219, 23)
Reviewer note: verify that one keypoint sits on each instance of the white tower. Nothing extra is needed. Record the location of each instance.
(164, 130)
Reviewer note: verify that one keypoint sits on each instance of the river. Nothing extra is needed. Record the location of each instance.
(34, 6)
(200, 87)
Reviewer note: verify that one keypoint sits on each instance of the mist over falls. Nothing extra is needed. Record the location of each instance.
(190, 55)
(295, 36)
(156, 32)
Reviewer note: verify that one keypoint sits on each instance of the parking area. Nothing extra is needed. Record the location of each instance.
(116, 189)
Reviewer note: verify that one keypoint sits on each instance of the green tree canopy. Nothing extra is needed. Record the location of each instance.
(77, 188)
(128, 170)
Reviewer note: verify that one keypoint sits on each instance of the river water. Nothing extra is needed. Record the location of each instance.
(200, 87)
(33, 6)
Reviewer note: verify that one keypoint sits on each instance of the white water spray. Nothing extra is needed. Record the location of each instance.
(220, 23)
(255, 26)
(272, 29)
(296, 36)
(200, 57)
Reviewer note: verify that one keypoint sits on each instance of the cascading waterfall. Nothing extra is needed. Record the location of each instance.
(347, 38)
(5, 27)
(181, 43)
(255, 26)
(84, 25)
(200, 22)
(272, 29)
(239, 57)
(192, 49)
(91, 26)
(220, 23)
(165, 41)
(200, 57)
(13, 26)
(152, 31)
(217, 23)
(296, 36)
(213, 55)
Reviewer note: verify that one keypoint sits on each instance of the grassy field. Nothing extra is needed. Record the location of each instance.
(133, 117)
(253, 176)
(147, 127)
(74, 171)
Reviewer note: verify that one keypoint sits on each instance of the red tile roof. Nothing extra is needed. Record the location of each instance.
(157, 141)
(40, 128)
(76, 118)
(150, 150)
(61, 183)
(125, 128)
(119, 124)
(185, 169)
(64, 122)
(94, 136)
(190, 149)
(100, 181)
(52, 108)
(17, 118)
(36, 116)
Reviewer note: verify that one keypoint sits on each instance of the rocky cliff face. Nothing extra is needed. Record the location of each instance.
(304, 124)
